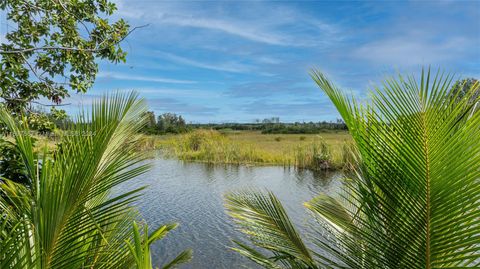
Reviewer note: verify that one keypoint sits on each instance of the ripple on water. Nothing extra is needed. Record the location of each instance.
(192, 194)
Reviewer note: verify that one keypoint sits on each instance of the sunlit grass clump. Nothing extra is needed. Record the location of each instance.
(214, 147)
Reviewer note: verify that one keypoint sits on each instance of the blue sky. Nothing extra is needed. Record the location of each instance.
(225, 61)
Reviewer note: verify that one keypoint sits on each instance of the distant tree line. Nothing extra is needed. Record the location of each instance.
(165, 123)
(173, 123)
(47, 122)
(303, 127)
(274, 126)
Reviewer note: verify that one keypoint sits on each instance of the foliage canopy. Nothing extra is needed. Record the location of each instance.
(51, 47)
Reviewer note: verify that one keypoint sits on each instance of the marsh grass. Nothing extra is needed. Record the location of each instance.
(312, 152)
(316, 155)
(214, 147)
(328, 151)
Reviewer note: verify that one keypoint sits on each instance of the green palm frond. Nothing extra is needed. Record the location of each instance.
(333, 211)
(184, 257)
(140, 247)
(255, 255)
(414, 199)
(68, 217)
(262, 217)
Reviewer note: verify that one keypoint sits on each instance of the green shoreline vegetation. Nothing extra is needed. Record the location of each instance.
(325, 151)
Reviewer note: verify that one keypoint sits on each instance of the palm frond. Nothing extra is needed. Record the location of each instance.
(140, 247)
(184, 257)
(331, 210)
(69, 218)
(255, 255)
(263, 218)
(416, 198)
(413, 200)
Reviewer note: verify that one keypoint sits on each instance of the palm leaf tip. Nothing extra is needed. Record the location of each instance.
(331, 210)
(254, 255)
(161, 232)
(261, 216)
(184, 257)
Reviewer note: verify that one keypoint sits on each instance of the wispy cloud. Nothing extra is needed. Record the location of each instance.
(307, 108)
(167, 92)
(408, 51)
(121, 76)
(282, 87)
(174, 105)
(238, 60)
(230, 27)
(261, 24)
(228, 67)
(268, 60)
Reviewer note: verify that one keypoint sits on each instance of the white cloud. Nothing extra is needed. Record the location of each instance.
(229, 67)
(120, 76)
(411, 50)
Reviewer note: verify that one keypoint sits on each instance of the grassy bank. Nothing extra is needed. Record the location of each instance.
(326, 151)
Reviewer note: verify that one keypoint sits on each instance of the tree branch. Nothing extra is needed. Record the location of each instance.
(52, 105)
(33, 101)
(97, 49)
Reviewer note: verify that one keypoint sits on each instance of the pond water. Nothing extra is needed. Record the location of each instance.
(192, 195)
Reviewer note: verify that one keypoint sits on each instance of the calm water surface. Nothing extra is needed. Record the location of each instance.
(192, 194)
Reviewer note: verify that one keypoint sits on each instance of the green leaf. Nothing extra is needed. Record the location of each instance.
(262, 217)
(184, 257)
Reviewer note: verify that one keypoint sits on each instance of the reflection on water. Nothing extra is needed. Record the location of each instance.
(191, 194)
